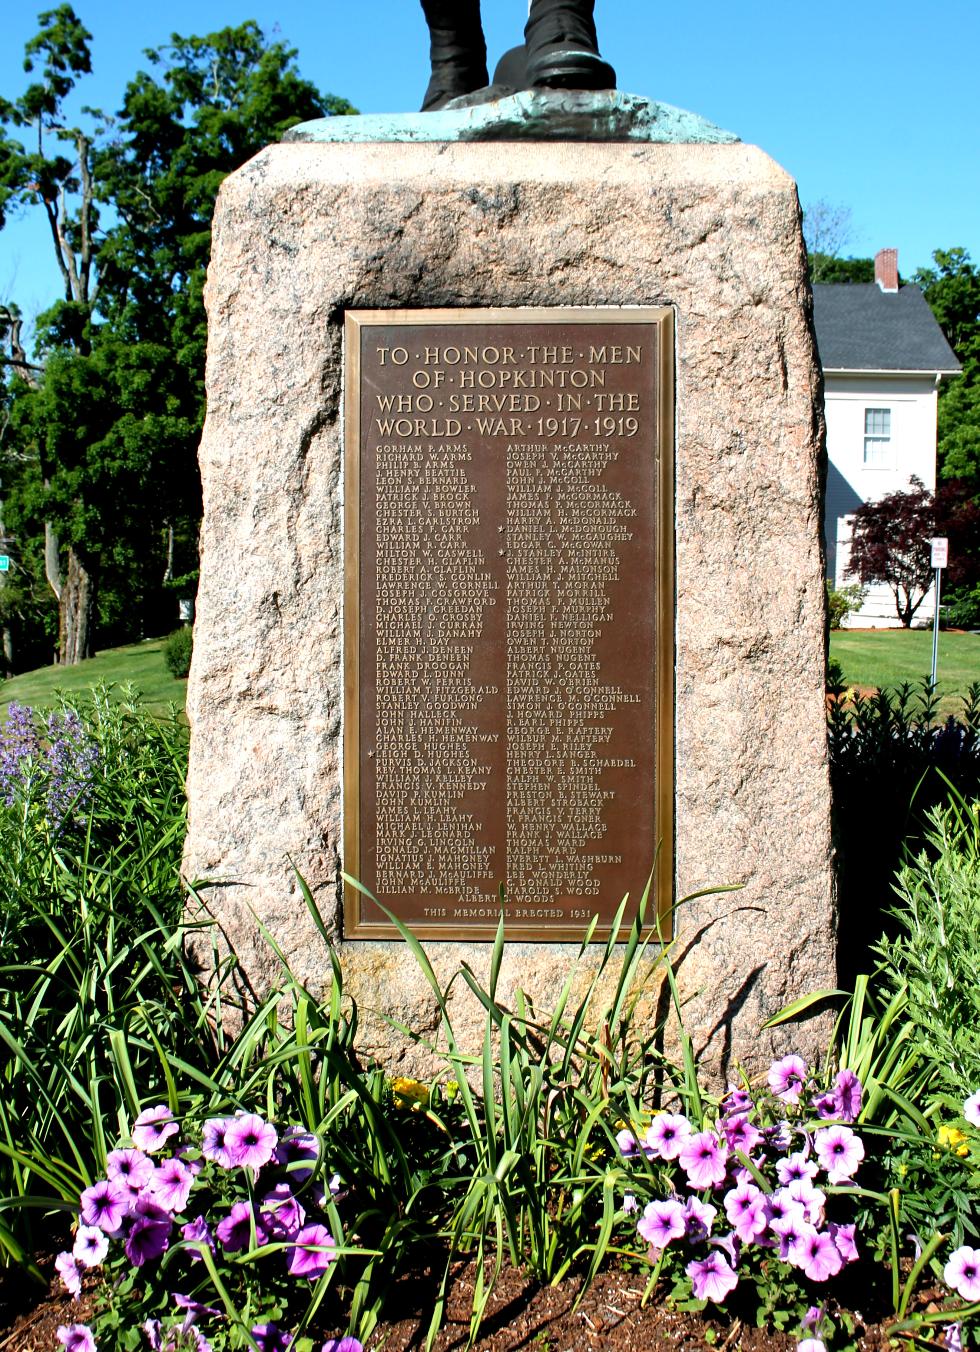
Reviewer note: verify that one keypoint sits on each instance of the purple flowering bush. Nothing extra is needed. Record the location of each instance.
(226, 1234)
(756, 1203)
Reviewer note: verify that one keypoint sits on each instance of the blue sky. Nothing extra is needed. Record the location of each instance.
(872, 106)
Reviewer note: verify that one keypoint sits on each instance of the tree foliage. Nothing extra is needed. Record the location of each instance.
(99, 447)
(952, 289)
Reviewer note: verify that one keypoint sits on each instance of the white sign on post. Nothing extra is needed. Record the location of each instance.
(940, 551)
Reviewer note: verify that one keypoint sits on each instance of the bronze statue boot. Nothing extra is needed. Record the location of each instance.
(457, 48)
(562, 47)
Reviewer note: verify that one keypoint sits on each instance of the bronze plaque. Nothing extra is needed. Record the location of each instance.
(508, 618)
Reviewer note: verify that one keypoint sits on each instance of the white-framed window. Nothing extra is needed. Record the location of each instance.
(878, 448)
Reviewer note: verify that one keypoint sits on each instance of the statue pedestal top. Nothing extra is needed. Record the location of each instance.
(527, 115)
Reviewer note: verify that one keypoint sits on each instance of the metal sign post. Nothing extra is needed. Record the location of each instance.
(940, 557)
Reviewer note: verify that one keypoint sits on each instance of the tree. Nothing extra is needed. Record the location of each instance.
(890, 544)
(952, 289)
(107, 426)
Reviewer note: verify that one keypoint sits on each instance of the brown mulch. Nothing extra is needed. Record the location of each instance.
(521, 1315)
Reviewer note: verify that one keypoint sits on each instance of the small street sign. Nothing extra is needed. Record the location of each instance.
(4, 563)
(940, 551)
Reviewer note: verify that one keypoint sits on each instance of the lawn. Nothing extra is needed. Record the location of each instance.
(139, 664)
(878, 657)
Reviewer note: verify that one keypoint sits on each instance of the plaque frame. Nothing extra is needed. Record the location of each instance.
(661, 905)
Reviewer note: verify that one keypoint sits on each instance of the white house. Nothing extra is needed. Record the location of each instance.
(883, 357)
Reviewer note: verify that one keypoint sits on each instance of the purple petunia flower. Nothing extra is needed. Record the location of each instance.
(817, 1255)
(76, 1338)
(297, 1148)
(736, 1102)
(197, 1231)
(745, 1207)
(825, 1106)
(839, 1151)
(848, 1093)
(147, 1240)
(171, 1184)
(235, 1231)
(811, 1345)
(698, 1219)
(786, 1078)
(68, 1270)
(250, 1141)
(105, 1204)
(281, 1212)
(962, 1272)
(347, 1344)
(813, 1317)
(271, 1338)
(780, 1204)
(704, 1159)
(627, 1143)
(153, 1128)
(667, 1134)
(630, 1204)
(971, 1109)
(661, 1222)
(91, 1246)
(193, 1307)
(310, 1256)
(214, 1145)
(810, 1198)
(130, 1167)
(712, 1277)
(953, 1337)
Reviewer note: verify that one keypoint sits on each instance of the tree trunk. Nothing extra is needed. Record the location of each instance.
(75, 609)
(8, 652)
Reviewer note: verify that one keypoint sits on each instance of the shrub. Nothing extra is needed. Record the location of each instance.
(178, 650)
(843, 601)
(962, 610)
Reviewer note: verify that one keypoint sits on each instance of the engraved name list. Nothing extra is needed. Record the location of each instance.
(508, 683)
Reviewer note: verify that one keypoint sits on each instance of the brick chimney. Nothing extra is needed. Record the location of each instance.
(886, 269)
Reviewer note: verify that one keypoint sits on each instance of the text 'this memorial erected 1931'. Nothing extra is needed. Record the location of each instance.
(508, 618)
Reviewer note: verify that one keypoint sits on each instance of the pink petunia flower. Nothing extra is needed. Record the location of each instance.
(843, 1237)
(91, 1246)
(68, 1270)
(971, 1109)
(197, 1231)
(712, 1277)
(153, 1128)
(704, 1159)
(148, 1238)
(780, 1204)
(746, 1209)
(271, 1338)
(818, 1256)
(250, 1141)
(811, 1345)
(171, 1185)
(131, 1168)
(790, 1231)
(812, 1199)
(795, 1167)
(962, 1272)
(235, 1231)
(297, 1148)
(848, 1093)
(627, 1143)
(839, 1151)
(347, 1344)
(630, 1204)
(282, 1212)
(698, 1219)
(667, 1134)
(105, 1204)
(661, 1222)
(214, 1142)
(741, 1134)
(786, 1078)
(311, 1256)
(76, 1338)
(953, 1337)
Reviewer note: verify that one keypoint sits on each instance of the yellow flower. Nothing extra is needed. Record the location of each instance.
(951, 1138)
(412, 1095)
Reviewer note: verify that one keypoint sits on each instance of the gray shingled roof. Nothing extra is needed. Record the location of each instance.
(862, 328)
